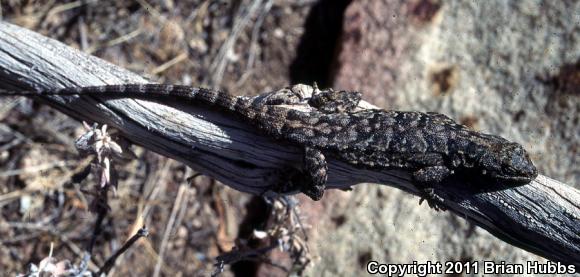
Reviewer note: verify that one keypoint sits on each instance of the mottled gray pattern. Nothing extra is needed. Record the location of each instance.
(429, 145)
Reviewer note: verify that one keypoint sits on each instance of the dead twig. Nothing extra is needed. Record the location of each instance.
(143, 232)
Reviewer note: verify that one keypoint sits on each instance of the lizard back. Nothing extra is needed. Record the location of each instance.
(408, 140)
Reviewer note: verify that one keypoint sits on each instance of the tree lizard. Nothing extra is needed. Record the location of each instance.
(430, 146)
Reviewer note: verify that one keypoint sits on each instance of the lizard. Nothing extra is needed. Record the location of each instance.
(431, 146)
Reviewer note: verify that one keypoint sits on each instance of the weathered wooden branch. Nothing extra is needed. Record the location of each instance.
(542, 217)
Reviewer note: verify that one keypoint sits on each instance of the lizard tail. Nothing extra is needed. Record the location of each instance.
(194, 95)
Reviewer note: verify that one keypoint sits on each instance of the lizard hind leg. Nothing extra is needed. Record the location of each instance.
(329, 101)
(315, 173)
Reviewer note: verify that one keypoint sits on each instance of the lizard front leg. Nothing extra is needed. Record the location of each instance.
(425, 177)
(284, 96)
(315, 173)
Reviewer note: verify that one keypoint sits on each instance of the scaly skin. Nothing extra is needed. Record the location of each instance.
(429, 145)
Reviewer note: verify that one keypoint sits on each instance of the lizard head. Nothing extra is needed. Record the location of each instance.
(508, 161)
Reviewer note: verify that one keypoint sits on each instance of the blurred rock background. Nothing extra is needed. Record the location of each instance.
(508, 68)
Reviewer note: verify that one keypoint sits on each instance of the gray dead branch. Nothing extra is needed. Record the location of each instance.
(542, 217)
